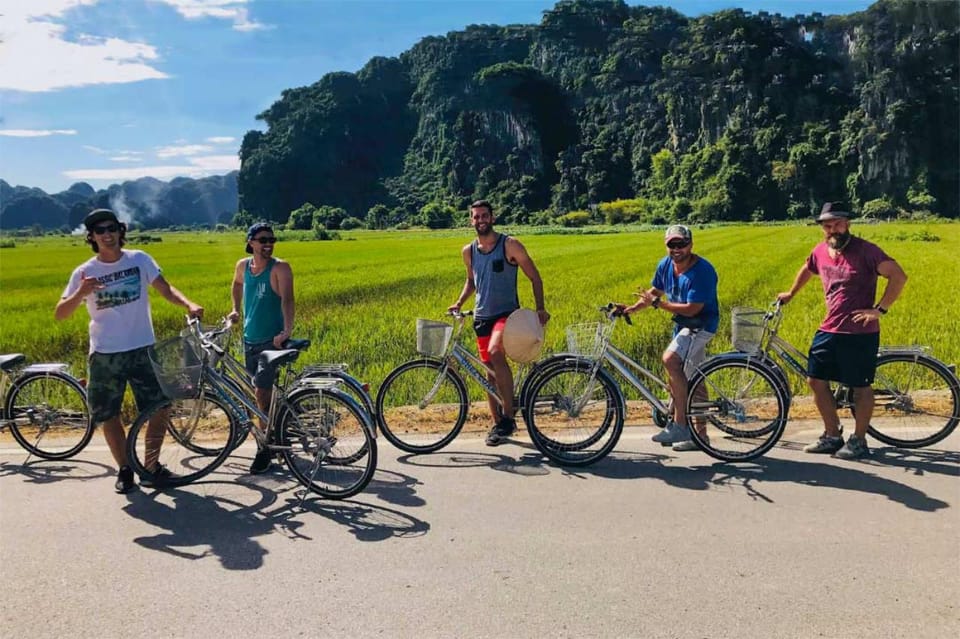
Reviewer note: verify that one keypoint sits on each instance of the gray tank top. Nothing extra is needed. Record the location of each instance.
(496, 280)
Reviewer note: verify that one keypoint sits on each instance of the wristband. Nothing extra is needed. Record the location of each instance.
(882, 310)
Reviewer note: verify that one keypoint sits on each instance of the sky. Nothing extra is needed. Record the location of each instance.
(103, 91)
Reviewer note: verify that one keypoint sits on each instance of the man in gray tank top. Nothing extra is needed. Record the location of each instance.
(492, 261)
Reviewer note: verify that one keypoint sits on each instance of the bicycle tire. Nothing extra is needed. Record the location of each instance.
(325, 433)
(538, 370)
(728, 392)
(49, 407)
(197, 411)
(565, 424)
(916, 400)
(185, 464)
(407, 421)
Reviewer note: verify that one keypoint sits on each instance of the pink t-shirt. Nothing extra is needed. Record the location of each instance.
(849, 283)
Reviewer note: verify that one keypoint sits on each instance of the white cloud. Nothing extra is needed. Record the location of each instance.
(35, 133)
(220, 140)
(198, 167)
(165, 152)
(126, 158)
(94, 149)
(233, 10)
(38, 58)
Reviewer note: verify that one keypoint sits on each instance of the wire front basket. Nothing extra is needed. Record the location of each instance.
(746, 328)
(433, 337)
(588, 340)
(178, 365)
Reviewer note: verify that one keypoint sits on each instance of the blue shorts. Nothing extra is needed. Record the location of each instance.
(263, 376)
(848, 358)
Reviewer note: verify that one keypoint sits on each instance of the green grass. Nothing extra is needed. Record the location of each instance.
(358, 298)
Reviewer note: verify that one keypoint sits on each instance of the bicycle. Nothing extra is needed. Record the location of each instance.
(575, 409)
(45, 407)
(916, 396)
(422, 405)
(323, 435)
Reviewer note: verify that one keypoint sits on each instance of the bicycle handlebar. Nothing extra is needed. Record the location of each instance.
(613, 310)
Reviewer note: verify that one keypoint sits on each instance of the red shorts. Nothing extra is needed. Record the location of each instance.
(484, 329)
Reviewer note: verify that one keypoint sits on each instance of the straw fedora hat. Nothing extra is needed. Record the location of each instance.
(523, 336)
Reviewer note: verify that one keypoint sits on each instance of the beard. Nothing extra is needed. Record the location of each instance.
(838, 240)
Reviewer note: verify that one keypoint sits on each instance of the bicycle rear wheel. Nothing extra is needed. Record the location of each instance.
(421, 407)
(328, 443)
(916, 400)
(575, 414)
(204, 439)
(736, 408)
(48, 415)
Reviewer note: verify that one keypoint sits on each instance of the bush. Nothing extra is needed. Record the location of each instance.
(8, 243)
(574, 219)
(880, 208)
(301, 219)
(437, 216)
(320, 232)
(351, 223)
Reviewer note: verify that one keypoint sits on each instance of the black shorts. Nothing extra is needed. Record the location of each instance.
(483, 326)
(850, 359)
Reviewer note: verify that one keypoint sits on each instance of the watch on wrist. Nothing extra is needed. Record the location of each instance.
(882, 310)
(655, 303)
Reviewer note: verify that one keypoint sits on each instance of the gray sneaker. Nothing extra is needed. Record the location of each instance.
(674, 432)
(855, 448)
(826, 445)
(501, 432)
(688, 444)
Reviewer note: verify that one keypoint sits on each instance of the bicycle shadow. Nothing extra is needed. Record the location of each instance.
(395, 488)
(919, 462)
(638, 465)
(49, 471)
(366, 522)
(529, 464)
(754, 475)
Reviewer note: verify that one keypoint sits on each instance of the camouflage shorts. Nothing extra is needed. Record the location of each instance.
(107, 377)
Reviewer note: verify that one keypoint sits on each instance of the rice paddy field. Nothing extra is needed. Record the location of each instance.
(358, 298)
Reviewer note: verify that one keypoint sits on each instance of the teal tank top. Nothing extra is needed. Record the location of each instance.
(262, 312)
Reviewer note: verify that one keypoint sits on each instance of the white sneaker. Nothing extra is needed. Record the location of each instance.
(674, 432)
(686, 445)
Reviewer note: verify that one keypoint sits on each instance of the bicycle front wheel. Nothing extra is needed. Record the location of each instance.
(575, 413)
(204, 438)
(421, 406)
(48, 415)
(327, 442)
(736, 408)
(916, 400)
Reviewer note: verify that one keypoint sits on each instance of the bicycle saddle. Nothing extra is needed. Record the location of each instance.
(10, 362)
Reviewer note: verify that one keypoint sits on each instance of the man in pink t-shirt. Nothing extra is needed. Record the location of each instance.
(844, 348)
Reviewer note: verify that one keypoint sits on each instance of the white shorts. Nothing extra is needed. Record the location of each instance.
(691, 347)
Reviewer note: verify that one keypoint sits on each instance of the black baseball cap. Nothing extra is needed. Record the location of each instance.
(833, 211)
(253, 230)
(99, 215)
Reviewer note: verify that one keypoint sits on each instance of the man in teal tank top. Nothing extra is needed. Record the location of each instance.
(265, 285)
(492, 261)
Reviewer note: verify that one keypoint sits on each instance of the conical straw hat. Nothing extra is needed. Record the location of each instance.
(523, 336)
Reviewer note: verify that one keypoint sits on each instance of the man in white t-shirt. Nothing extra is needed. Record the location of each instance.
(114, 284)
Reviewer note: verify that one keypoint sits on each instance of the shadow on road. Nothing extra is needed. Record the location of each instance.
(919, 462)
(48, 471)
(848, 476)
(227, 529)
(529, 464)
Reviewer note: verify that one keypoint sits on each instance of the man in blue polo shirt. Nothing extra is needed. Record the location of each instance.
(689, 283)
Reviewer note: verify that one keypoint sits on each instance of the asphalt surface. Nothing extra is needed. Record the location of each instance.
(492, 542)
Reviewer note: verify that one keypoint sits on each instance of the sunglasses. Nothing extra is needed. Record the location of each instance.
(265, 240)
(109, 228)
(678, 244)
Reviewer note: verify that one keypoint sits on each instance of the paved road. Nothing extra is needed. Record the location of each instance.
(481, 542)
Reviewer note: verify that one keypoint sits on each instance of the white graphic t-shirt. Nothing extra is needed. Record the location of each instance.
(119, 312)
